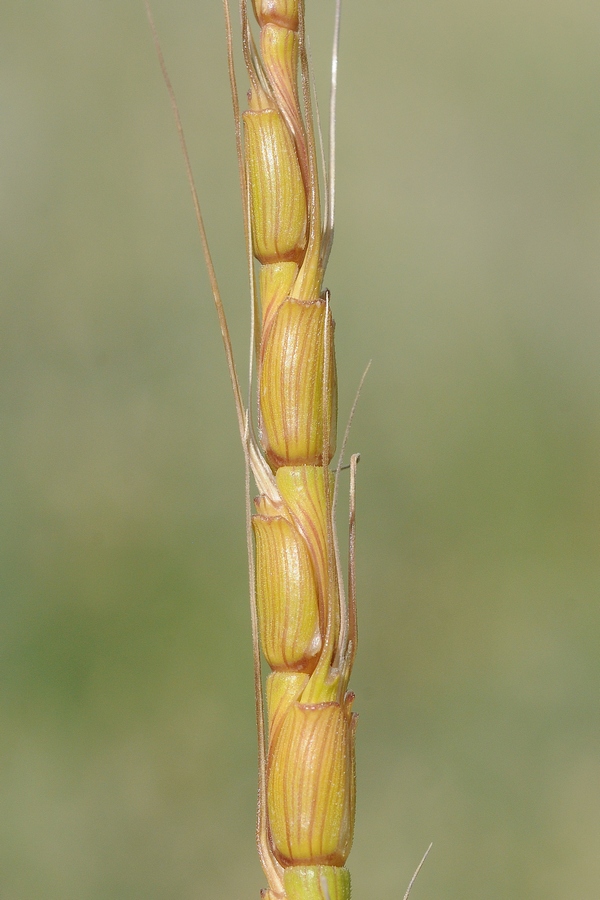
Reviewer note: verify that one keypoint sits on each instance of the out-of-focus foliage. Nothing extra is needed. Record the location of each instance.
(466, 265)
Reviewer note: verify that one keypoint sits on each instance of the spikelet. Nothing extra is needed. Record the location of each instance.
(287, 596)
(298, 399)
(278, 199)
(310, 788)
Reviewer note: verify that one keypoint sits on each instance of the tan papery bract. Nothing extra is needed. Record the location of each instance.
(266, 894)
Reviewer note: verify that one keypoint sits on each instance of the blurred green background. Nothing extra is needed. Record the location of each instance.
(467, 266)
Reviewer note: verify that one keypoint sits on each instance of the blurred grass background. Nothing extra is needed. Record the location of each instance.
(467, 266)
